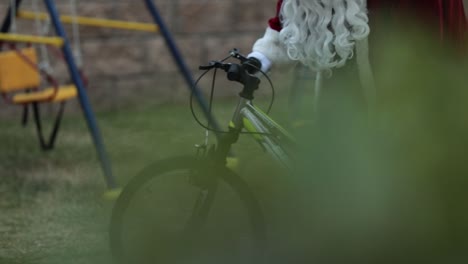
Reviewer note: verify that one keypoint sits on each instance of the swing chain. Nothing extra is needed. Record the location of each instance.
(76, 34)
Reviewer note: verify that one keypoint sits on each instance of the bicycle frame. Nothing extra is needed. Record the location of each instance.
(272, 137)
(269, 134)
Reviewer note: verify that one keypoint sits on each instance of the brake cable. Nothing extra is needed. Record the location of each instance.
(213, 83)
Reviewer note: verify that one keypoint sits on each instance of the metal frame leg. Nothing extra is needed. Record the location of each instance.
(180, 63)
(82, 96)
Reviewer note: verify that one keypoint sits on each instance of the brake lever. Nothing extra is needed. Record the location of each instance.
(215, 64)
(205, 67)
(210, 66)
(235, 54)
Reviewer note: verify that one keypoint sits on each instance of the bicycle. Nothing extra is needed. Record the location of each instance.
(204, 173)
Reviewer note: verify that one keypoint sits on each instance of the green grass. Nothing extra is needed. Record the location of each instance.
(50, 202)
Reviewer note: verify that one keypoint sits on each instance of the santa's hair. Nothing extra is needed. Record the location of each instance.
(322, 33)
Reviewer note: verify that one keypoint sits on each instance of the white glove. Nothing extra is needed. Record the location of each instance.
(264, 61)
(269, 50)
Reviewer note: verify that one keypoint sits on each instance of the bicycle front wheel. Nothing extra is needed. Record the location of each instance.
(182, 211)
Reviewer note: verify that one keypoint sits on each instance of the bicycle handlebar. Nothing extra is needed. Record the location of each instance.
(234, 71)
(243, 72)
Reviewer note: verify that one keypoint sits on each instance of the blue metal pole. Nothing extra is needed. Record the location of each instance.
(83, 98)
(180, 62)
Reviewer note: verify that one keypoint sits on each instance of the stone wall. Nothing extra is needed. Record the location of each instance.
(125, 67)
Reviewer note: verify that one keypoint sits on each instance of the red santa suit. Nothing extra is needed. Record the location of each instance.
(357, 18)
(447, 17)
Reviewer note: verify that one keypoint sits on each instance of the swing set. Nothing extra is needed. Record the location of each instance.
(22, 75)
(26, 77)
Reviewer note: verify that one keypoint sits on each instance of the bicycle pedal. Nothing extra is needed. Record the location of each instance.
(112, 194)
(232, 163)
(201, 149)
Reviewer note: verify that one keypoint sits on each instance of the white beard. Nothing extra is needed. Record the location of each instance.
(322, 33)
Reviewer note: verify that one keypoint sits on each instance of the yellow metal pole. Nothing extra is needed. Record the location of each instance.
(93, 22)
(9, 37)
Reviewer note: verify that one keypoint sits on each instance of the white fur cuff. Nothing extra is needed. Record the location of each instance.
(271, 47)
(266, 63)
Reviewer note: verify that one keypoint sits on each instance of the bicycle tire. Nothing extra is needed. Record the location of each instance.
(240, 188)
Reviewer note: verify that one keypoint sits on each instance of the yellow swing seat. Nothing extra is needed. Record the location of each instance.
(46, 95)
(17, 75)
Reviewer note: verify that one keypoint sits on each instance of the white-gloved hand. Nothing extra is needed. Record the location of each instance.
(264, 61)
(269, 50)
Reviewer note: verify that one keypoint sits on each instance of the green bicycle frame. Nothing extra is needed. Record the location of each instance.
(270, 135)
(274, 139)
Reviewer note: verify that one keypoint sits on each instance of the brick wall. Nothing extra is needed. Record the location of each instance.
(126, 67)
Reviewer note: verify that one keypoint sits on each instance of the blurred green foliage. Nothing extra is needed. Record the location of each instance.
(393, 189)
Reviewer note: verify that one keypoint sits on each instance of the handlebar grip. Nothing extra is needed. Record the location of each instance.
(252, 65)
(234, 73)
(205, 67)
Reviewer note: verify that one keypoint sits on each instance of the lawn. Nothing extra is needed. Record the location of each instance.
(51, 210)
(359, 188)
